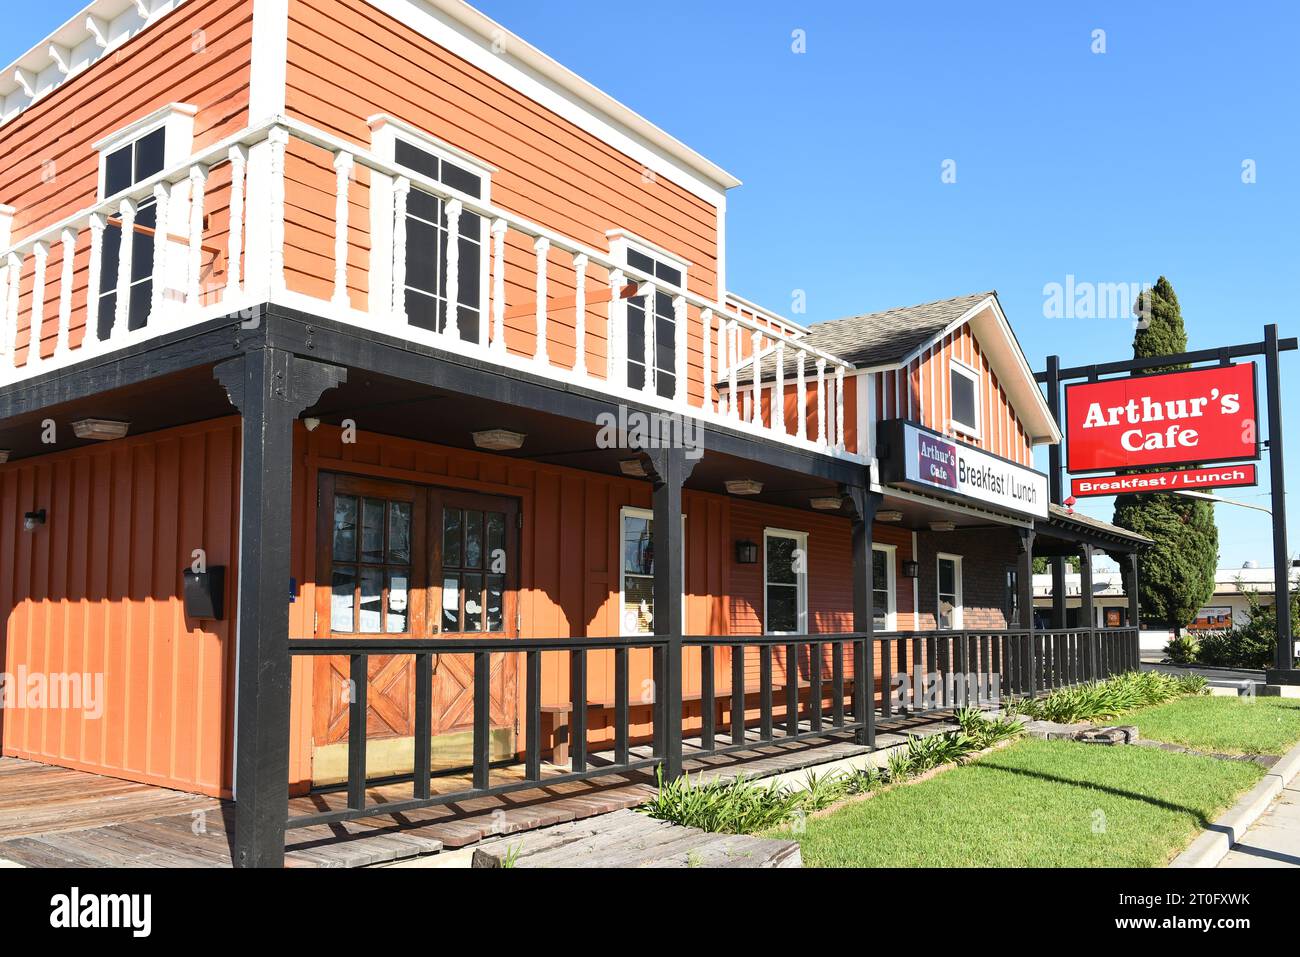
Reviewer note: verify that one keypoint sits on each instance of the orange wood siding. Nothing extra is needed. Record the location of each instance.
(97, 590)
(200, 55)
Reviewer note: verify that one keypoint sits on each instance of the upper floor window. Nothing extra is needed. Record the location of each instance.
(124, 167)
(651, 320)
(964, 384)
(426, 244)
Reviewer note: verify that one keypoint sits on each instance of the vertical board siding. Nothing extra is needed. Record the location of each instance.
(200, 55)
(97, 590)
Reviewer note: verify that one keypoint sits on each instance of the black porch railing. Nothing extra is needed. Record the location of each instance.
(775, 688)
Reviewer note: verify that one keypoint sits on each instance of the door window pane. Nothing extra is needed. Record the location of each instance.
(473, 539)
(451, 603)
(372, 531)
(342, 590)
(451, 531)
(782, 608)
(473, 585)
(785, 571)
(496, 617)
(496, 542)
(399, 533)
(880, 587)
(369, 617)
(345, 528)
(398, 602)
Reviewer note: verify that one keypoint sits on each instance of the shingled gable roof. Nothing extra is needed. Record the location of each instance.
(893, 337)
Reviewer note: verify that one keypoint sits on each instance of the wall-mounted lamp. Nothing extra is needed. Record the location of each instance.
(743, 486)
(889, 515)
(499, 440)
(4, 456)
(746, 553)
(911, 569)
(311, 423)
(32, 520)
(942, 526)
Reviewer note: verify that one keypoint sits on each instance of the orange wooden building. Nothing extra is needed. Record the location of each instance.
(408, 351)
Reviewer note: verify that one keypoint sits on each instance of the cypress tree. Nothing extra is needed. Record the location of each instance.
(1176, 572)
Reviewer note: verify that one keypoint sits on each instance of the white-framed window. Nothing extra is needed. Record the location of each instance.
(948, 583)
(785, 582)
(1011, 596)
(964, 390)
(636, 592)
(426, 229)
(670, 271)
(883, 584)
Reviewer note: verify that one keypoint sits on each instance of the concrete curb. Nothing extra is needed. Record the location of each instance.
(1215, 843)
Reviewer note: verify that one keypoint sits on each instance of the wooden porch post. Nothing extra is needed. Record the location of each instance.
(270, 388)
(1025, 602)
(1087, 612)
(671, 468)
(1134, 608)
(865, 505)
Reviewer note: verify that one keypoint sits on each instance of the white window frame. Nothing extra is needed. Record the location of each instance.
(176, 118)
(975, 431)
(385, 131)
(959, 608)
(624, 513)
(891, 583)
(802, 579)
(622, 240)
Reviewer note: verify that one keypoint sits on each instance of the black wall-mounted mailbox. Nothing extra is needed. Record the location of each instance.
(205, 593)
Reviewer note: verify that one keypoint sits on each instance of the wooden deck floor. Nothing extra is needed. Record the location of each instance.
(58, 817)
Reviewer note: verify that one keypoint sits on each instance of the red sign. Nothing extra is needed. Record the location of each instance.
(1176, 418)
(1219, 476)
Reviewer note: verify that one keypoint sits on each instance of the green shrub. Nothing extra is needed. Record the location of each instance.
(737, 806)
(1101, 700)
(1182, 651)
(1251, 645)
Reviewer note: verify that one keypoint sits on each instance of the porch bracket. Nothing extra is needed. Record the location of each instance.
(270, 388)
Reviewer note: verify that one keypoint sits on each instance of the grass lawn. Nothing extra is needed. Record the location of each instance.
(1035, 804)
(1222, 725)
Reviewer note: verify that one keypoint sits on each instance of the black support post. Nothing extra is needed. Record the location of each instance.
(270, 388)
(1285, 657)
(865, 505)
(1055, 481)
(1025, 602)
(671, 468)
(1134, 607)
(1087, 612)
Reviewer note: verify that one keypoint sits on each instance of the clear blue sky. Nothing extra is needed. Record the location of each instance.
(1113, 167)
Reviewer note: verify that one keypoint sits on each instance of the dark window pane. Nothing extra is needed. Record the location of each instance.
(963, 399)
(372, 530)
(496, 618)
(107, 309)
(641, 261)
(665, 385)
(426, 206)
(421, 256)
(117, 172)
(398, 600)
(399, 532)
(473, 540)
(150, 152)
(462, 179)
(496, 542)
(468, 319)
(141, 299)
(665, 344)
(879, 571)
(369, 621)
(417, 159)
(668, 273)
(109, 259)
(451, 534)
(782, 608)
(341, 598)
(421, 310)
(638, 548)
(635, 330)
(780, 560)
(473, 602)
(470, 263)
(142, 243)
(947, 576)
(345, 528)
(451, 603)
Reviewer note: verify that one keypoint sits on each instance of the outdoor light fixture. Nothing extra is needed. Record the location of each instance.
(746, 552)
(311, 423)
(633, 468)
(4, 456)
(911, 569)
(942, 526)
(826, 503)
(499, 440)
(32, 520)
(743, 486)
(889, 515)
(100, 430)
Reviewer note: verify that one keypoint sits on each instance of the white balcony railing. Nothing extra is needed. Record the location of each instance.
(196, 276)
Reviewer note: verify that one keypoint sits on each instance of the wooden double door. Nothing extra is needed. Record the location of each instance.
(397, 560)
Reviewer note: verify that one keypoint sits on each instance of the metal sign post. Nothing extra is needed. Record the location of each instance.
(1284, 671)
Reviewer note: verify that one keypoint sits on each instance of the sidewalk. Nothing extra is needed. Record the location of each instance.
(1274, 840)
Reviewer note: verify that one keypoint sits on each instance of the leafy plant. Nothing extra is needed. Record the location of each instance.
(1182, 650)
(1112, 697)
(737, 806)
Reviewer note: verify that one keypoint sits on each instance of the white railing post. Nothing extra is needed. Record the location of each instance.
(499, 227)
(343, 164)
(821, 401)
(541, 246)
(452, 209)
(801, 397)
(397, 299)
(15, 263)
(68, 239)
(41, 255)
(778, 391)
(617, 338)
(194, 270)
(162, 205)
(839, 408)
(93, 279)
(125, 253)
(733, 360)
(580, 314)
(279, 139)
(6, 338)
(706, 345)
(756, 388)
(680, 366)
(235, 240)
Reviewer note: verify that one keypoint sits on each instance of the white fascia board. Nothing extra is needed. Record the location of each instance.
(472, 36)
